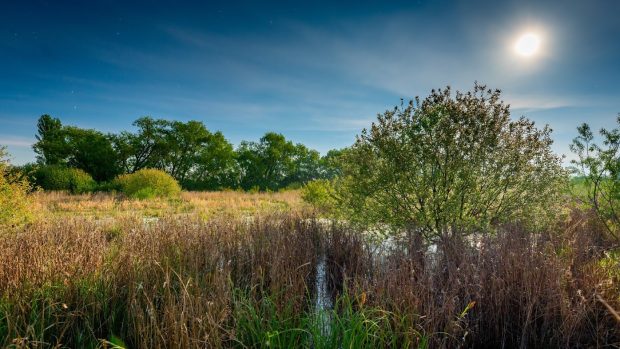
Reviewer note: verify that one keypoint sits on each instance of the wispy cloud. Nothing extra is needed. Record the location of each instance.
(14, 141)
(529, 103)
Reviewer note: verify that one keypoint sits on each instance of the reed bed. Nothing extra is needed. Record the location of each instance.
(187, 282)
(512, 289)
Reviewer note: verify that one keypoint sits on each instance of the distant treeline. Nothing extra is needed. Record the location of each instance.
(198, 158)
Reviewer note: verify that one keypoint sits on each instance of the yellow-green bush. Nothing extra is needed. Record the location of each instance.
(320, 193)
(148, 183)
(15, 203)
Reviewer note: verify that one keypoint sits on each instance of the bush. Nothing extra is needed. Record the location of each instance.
(320, 194)
(15, 203)
(57, 177)
(148, 183)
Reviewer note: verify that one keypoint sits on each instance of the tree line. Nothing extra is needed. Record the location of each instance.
(196, 157)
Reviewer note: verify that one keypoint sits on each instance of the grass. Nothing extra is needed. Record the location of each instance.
(262, 324)
(91, 275)
(204, 204)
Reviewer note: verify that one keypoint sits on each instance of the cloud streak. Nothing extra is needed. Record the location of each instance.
(13, 141)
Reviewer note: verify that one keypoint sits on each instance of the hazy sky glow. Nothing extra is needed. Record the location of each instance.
(318, 72)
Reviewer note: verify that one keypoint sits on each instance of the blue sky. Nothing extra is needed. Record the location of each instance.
(316, 71)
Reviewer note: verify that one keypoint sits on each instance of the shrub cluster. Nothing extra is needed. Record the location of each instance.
(148, 183)
(56, 177)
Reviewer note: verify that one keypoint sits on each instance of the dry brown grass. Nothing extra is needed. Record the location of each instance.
(516, 289)
(167, 284)
(204, 204)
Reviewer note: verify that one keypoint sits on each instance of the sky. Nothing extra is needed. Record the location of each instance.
(316, 71)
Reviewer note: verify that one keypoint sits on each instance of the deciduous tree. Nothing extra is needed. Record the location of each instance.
(450, 163)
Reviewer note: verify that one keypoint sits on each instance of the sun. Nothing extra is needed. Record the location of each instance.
(527, 45)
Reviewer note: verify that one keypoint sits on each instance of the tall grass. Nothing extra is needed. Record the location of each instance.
(184, 282)
(513, 289)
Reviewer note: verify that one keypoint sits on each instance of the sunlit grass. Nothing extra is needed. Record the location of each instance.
(204, 204)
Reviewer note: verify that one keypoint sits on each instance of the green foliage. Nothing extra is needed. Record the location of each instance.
(448, 163)
(144, 149)
(185, 141)
(197, 158)
(321, 195)
(598, 167)
(57, 177)
(15, 203)
(111, 186)
(50, 313)
(266, 164)
(89, 150)
(352, 325)
(92, 152)
(24, 172)
(331, 163)
(190, 153)
(274, 163)
(306, 165)
(51, 146)
(215, 165)
(261, 324)
(148, 183)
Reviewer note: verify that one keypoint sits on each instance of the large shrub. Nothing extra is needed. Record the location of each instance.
(148, 183)
(451, 162)
(57, 177)
(15, 203)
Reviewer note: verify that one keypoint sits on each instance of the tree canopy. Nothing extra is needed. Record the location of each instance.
(196, 157)
(269, 163)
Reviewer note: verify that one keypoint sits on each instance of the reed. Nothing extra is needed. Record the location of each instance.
(186, 282)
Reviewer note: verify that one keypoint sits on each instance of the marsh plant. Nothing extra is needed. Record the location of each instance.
(182, 282)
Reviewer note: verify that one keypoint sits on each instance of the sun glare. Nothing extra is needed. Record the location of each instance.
(527, 45)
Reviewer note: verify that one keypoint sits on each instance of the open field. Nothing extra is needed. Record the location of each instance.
(95, 273)
(202, 204)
